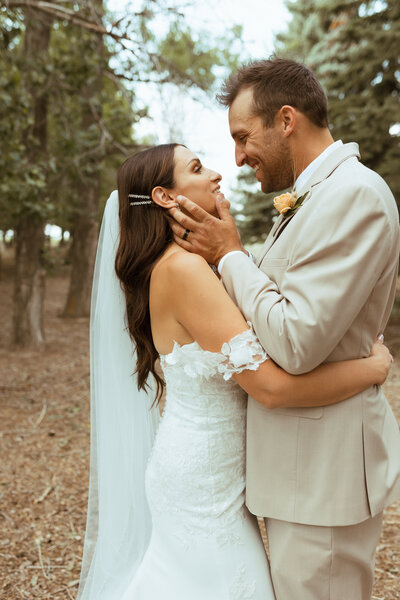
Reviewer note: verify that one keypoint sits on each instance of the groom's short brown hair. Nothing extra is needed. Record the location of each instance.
(276, 82)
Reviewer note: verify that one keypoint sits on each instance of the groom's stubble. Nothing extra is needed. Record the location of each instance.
(277, 165)
(261, 143)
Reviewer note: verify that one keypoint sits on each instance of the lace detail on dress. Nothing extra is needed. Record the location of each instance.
(195, 479)
(192, 362)
(241, 588)
(242, 352)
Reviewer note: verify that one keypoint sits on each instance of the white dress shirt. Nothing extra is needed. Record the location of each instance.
(300, 181)
(311, 168)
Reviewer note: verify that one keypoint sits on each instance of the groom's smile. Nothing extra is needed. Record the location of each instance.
(264, 149)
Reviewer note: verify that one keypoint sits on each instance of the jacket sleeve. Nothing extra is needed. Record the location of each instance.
(340, 254)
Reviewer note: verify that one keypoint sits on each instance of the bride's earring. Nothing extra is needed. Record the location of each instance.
(176, 202)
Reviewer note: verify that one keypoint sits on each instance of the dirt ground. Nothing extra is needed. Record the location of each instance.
(44, 437)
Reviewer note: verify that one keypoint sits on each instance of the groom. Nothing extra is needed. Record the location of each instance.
(321, 290)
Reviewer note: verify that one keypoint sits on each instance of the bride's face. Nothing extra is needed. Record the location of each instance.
(194, 181)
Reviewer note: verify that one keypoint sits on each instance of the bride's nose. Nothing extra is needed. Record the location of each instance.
(215, 176)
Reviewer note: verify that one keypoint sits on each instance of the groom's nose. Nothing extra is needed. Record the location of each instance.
(240, 156)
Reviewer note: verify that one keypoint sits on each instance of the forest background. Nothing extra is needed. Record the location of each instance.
(73, 97)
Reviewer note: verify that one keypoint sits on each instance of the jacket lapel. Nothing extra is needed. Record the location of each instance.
(269, 241)
(328, 166)
(325, 169)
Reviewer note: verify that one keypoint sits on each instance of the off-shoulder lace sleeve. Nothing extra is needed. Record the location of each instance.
(243, 352)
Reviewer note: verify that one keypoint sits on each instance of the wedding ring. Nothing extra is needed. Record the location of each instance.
(185, 235)
(380, 337)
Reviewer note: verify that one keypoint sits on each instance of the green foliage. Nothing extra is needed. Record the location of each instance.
(255, 212)
(90, 123)
(354, 49)
(187, 58)
(91, 119)
(22, 182)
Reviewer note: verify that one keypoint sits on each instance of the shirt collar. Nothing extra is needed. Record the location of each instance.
(311, 168)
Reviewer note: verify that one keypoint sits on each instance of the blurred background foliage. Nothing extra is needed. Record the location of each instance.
(354, 49)
(70, 103)
(68, 110)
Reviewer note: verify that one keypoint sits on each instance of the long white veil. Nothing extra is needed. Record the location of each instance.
(123, 426)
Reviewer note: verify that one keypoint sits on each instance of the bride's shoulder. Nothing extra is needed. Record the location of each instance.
(181, 261)
(181, 267)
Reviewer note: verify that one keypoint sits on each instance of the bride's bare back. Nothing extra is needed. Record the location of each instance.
(189, 303)
(183, 290)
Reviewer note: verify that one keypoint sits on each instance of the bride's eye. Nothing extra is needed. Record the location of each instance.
(198, 168)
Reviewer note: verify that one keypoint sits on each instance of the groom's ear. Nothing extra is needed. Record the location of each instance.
(161, 197)
(288, 118)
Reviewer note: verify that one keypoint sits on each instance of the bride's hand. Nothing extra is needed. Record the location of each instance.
(383, 360)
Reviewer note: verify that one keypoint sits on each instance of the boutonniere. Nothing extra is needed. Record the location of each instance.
(288, 203)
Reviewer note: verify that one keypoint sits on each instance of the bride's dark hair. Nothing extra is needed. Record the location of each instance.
(145, 234)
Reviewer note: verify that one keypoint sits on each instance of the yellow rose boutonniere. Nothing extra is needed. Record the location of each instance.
(287, 203)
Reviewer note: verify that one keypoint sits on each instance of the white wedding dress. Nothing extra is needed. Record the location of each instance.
(204, 544)
(166, 516)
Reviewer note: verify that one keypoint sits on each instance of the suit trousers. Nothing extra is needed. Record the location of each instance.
(310, 562)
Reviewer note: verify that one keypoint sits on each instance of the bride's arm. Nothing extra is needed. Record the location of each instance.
(201, 304)
(327, 384)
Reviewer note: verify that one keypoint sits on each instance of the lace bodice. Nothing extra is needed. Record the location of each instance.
(206, 410)
(195, 479)
(242, 352)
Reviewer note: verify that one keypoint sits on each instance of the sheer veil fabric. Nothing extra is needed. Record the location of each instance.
(123, 426)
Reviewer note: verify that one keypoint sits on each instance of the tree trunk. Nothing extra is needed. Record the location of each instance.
(85, 226)
(1, 254)
(62, 240)
(83, 253)
(29, 284)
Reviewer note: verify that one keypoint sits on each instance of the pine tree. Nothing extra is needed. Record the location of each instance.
(66, 121)
(25, 162)
(253, 211)
(354, 49)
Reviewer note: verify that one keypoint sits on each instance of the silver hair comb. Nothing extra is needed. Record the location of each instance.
(145, 199)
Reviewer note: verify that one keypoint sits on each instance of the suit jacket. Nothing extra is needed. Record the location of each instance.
(321, 292)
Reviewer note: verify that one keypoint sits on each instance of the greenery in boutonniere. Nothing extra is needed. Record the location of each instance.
(287, 204)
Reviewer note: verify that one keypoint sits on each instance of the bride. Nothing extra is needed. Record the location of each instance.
(166, 515)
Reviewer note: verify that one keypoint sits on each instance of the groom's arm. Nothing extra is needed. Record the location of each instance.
(223, 259)
(343, 249)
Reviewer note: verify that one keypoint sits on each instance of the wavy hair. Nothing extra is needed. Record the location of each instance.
(145, 234)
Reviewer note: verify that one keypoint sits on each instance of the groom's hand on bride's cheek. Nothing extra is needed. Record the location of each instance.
(197, 231)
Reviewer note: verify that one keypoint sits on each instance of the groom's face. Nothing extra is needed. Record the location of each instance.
(264, 149)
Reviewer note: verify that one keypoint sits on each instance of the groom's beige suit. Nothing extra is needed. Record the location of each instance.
(322, 291)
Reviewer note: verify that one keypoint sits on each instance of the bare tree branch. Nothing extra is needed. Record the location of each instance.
(117, 76)
(159, 63)
(61, 12)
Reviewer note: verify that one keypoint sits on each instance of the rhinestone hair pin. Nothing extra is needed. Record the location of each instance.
(144, 199)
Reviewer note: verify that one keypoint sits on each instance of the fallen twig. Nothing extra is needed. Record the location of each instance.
(38, 542)
(42, 414)
(44, 495)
